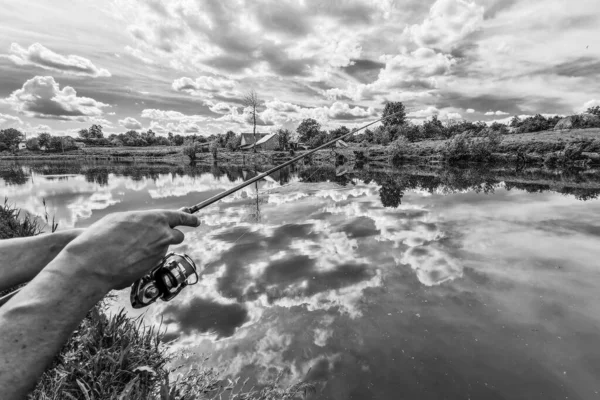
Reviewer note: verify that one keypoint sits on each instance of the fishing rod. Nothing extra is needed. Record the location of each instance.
(257, 178)
(177, 271)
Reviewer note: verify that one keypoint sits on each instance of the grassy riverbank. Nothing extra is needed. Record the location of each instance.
(550, 147)
(115, 357)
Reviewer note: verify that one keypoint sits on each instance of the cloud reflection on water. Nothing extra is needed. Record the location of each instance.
(450, 292)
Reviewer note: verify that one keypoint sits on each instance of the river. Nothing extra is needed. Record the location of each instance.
(373, 283)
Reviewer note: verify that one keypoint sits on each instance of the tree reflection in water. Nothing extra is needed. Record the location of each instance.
(581, 184)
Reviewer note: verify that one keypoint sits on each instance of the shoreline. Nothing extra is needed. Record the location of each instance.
(525, 148)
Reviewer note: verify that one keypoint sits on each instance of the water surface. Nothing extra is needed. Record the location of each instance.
(373, 283)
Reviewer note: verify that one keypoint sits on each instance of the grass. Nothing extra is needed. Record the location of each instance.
(116, 357)
(13, 226)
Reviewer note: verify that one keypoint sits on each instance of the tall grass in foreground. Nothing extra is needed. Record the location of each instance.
(13, 226)
(115, 357)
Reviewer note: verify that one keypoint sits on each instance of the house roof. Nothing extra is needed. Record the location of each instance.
(266, 138)
(249, 137)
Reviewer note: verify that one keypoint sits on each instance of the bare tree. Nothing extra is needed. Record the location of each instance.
(251, 100)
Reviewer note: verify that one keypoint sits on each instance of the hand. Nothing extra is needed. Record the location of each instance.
(123, 247)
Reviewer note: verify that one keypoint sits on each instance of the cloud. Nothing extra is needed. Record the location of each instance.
(590, 104)
(203, 85)
(42, 57)
(424, 113)
(339, 110)
(448, 22)
(162, 115)
(282, 106)
(206, 315)
(130, 123)
(221, 108)
(453, 115)
(42, 97)
(6, 119)
(496, 113)
(139, 54)
(470, 111)
(432, 266)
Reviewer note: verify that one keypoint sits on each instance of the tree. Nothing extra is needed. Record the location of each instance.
(32, 144)
(84, 134)
(149, 137)
(515, 122)
(214, 149)
(409, 131)
(251, 100)
(44, 140)
(62, 143)
(284, 136)
(397, 109)
(11, 137)
(594, 110)
(95, 132)
(339, 132)
(433, 128)
(233, 141)
(369, 135)
(308, 129)
(381, 135)
(178, 140)
(318, 139)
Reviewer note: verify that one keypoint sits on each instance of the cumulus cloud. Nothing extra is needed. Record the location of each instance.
(162, 115)
(470, 111)
(432, 266)
(340, 110)
(424, 113)
(448, 22)
(203, 84)
(590, 104)
(130, 123)
(496, 113)
(42, 97)
(43, 57)
(453, 115)
(163, 121)
(221, 108)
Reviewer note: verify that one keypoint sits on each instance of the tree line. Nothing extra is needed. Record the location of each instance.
(309, 132)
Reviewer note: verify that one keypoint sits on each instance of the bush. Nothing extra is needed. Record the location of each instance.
(411, 132)
(468, 147)
(190, 151)
(214, 149)
(397, 150)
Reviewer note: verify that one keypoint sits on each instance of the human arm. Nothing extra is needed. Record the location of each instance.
(110, 254)
(21, 259)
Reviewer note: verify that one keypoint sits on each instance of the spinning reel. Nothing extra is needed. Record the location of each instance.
(165, 281)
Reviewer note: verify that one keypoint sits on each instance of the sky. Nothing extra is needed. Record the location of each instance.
(183, 66)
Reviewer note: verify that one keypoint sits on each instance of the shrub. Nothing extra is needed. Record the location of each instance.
(397, 150)
(214, 149)
(467, 147)
(190, 151)
(411, 132)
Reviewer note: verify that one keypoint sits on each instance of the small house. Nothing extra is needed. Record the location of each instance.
(268, 142)
(247, 141)
(22, 145)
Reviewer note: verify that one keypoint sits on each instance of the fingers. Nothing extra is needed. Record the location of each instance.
(177, 237)
(180, 218)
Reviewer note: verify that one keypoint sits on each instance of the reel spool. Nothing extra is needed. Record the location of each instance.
(164, 282)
